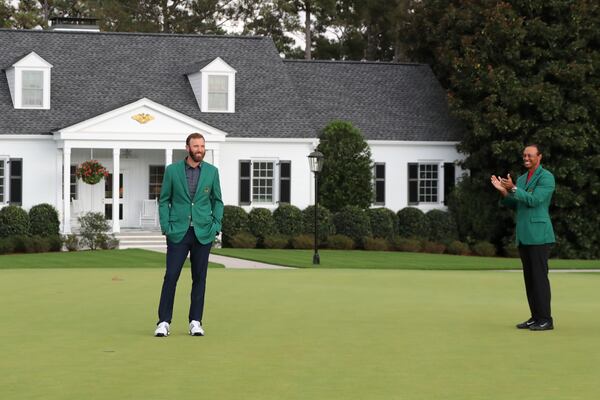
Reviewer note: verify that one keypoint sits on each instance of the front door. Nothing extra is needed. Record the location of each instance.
(108, 198)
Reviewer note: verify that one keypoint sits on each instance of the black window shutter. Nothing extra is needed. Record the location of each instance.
(379, 184)
(285, 181)
(245, 176)
(413, 183)
(449, 178)
(16, 181)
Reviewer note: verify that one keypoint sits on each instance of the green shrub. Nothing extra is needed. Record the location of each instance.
(288, 220)
(39, 244)
(260, 223)
(21, 244)
(406, 244)
(303, 241)
(340, 242)
(428, 246)
(107, 242)
(441, 226)
(276, 242)
(324, 222)
(13, 221)
(458, 248)
(484, 249)
(412, 223)
(354, 222)
(7, 246)
(56, 242)
(376, 244)
(92, 225)
(72, 242)
(382, 222)
(235, 220)
(511, 250)
(243, 240)
(43, 220)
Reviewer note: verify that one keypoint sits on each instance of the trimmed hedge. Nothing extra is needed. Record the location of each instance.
(43, 220)
(441, 226)
(235, 220)
(243, 240)
(276, 242)
(288, 220)
(13, 221)
(406, 244)
(428, 246)
(382, 222)
(484, 249)
(412, 223)
(340, 242)
(354, 222)
(376, 244)
(324, 222)
(458, 248)
(303, 241)
(261, 223)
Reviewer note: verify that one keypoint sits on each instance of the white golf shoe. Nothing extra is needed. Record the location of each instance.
(162, 330)
(196, 329)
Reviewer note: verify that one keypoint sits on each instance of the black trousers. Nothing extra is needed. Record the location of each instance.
(537, 285)
(176, 255)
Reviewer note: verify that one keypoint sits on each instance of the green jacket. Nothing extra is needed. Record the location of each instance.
(531, 201)
(177, 210)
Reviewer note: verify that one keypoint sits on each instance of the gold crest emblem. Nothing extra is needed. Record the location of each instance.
(142, 118)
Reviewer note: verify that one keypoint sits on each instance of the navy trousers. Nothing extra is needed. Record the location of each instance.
(537, 285)
(176, 255)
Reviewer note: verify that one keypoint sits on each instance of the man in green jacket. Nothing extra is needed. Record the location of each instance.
(190, 210)
(530, 197)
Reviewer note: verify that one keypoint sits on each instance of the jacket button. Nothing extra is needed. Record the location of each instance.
(192, 203)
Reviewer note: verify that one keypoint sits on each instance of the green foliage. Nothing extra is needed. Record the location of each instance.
(13, 221)
(441, 226)
(243, 240)
(303, 241)
(7, 246)
(376, 244)
(353, 222)
(235, 220)
(276, 242)
(93, 227)
(288, 220)
(458, 248)
(406, 244)
(261, 224)
(428, 246)
(56, 242)
(107, 242)
(72, 242)
(412, 223)
(340, 242)
(43, 220)
(6, 13)
(384, 222)
(521, 72)
(484, 249)
(346, 178)
(325, 224)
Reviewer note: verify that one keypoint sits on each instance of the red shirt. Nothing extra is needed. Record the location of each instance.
(530, 174)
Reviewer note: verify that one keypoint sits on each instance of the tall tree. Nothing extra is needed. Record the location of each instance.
(28, 15)
(6, 14)
(346, 178)
(518, 72)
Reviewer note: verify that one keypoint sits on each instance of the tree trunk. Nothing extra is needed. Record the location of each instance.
(307, 48)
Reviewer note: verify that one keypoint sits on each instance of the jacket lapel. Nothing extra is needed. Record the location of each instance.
(182, 178)
(534, 178)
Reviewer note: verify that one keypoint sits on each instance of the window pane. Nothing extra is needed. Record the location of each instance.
(217, 101)
(217, 83)
(262, 181)
(33, 88)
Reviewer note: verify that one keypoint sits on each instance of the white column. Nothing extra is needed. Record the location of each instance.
(115, 189)
(168, 157)
(66, 190)
(441, 182)
(216, 157)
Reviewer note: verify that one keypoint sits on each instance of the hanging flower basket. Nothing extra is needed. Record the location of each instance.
(91, 172)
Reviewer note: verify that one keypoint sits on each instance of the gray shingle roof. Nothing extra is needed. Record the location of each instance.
(386, 101)
(94, 73)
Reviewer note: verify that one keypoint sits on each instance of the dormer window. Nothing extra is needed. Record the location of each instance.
(213, 86)
(29, 82)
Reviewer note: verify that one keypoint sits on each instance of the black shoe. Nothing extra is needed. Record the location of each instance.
(526, 324)
(542, 326)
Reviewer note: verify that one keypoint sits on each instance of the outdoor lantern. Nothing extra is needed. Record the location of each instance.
(316, 161)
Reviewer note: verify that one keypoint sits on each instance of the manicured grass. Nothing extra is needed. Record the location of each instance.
(130, 258)
(390, 260)
(73, 334)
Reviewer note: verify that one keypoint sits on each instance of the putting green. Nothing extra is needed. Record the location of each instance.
(296, 334)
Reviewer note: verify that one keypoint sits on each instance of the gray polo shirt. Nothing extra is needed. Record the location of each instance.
(192, 175)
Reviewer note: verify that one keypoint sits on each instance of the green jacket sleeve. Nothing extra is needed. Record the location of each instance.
(165, 201)
(217, 202)
(541, 195)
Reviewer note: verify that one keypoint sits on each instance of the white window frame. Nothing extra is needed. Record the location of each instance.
(217, 67)
(6, 180)
(30, 63)
(439, 180)
(274, 179)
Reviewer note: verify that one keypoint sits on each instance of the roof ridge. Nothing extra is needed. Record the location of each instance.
(42, 31)
(413, 64)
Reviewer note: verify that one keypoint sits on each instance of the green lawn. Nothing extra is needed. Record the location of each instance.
(391, 260)
(130, 258)
(296, 334)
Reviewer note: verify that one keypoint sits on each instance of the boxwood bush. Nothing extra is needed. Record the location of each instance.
(354, 222)
(484, 249)
(324, 222)
(382, 222)
(243, 240)
(458, 248)
(43, 220)
(13, 221)
(288, 220)
(340, 242)
(276, 242)
(261, 223)
(412, 223)
(304, 241)
(441, 226)
(235, 220)
(376, 244)
(406, 244)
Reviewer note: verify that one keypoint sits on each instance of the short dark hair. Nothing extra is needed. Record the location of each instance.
(194, 135)
(538, 148)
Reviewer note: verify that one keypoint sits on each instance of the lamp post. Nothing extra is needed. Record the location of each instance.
(316, 164)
